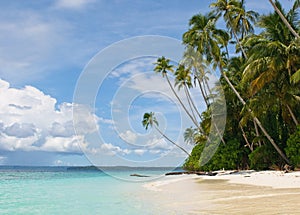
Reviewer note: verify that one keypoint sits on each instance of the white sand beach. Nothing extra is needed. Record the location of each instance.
(244, 192)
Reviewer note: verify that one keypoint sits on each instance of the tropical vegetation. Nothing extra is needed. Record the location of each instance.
(260, 78)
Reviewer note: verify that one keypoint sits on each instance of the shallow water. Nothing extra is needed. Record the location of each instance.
(58, 191)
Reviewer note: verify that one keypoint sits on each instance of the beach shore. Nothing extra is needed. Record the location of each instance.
(244, 192)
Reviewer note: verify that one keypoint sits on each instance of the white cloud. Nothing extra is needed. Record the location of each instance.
(18, 130)
(139, 151)
(159, 143)
(129, 136)
(30, 121)
(72, 4)
(110, 149)
(106, 121)
(155, 151)
(62, 144)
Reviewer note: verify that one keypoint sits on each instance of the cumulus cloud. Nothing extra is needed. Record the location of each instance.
(22, 130)
(32, 121)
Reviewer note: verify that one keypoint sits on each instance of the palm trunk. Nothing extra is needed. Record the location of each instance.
(181, 103)
(207, 105)
(257, 132)
(254, 117)
(159, 131)
(245, 138)
(239, 43)
(204, 94)
(192, 102)
(292, 115)
(284, 20)
(185, 109)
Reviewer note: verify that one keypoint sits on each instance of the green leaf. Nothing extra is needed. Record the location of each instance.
(295, 78)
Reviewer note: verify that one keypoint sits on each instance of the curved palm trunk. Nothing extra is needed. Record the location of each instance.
(240, 45)
(204, 94)
(191, 102)
(181, 103)
(159, 131)
(253, 116)
(284, 19)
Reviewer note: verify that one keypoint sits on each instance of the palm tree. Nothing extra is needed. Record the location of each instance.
(274, 58)
(163, 66)
(243, 20)
(149, 119)
(195, 62)
(237, 19)
(282, 17)
(183, 79)
(189, 135)
(207, 39)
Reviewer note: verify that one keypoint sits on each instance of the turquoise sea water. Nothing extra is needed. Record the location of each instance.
(59, 190)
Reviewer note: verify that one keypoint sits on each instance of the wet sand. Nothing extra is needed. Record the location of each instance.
(190, 194)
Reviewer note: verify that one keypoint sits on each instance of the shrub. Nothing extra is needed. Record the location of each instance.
(263, 157)
(293, 148)
(226, 157)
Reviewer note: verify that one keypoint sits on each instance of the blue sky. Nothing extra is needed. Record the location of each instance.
(45, 47)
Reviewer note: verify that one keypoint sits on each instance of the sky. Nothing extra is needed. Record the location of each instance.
(76, 77)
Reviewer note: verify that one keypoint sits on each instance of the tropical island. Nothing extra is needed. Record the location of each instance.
(260, 80)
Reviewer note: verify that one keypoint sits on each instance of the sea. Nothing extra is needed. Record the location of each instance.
(76, 190)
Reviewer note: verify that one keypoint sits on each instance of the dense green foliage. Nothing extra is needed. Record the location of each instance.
(264, 75)
(293, 148)
(261, 83)
(229, 156)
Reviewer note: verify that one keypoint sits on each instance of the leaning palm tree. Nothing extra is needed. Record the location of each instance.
(282, 17)
(183, 80)
(207, 39)
(149, 119)
(163, 66)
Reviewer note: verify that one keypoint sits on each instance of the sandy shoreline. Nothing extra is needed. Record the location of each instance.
(245, 192)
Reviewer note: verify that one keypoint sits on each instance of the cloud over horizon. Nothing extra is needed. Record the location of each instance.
(33, 121)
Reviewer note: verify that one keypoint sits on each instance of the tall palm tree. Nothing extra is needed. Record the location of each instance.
(243, 19)
(274, 58)
(207, 39)
(195, 62)
(163, 66)
(238, 20)
(183, 79)
(149, 119)
(282, 17)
